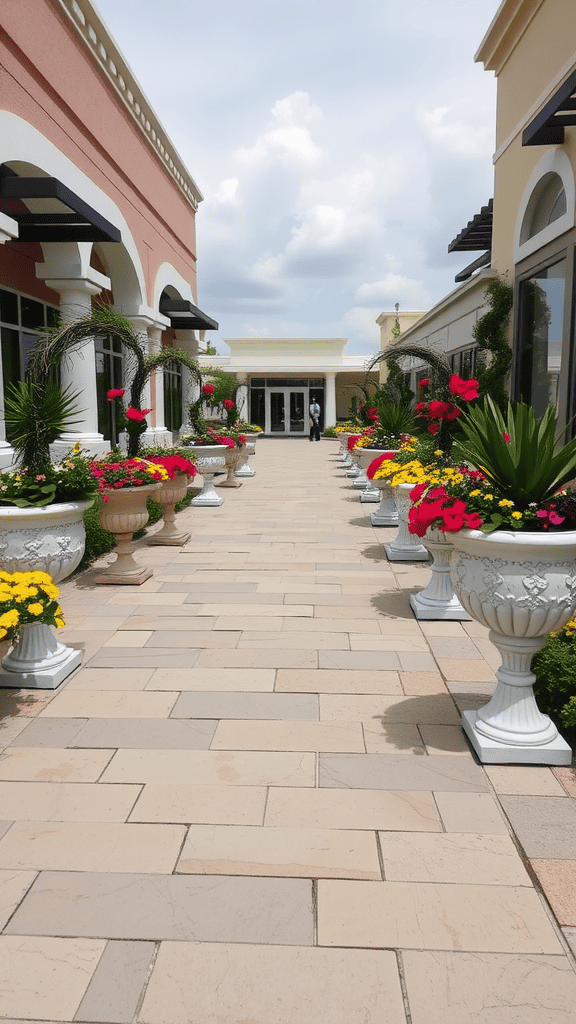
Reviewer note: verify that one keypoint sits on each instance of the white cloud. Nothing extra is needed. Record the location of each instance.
(228, 191)
(287, 137)
(395, 288)
(448, 129)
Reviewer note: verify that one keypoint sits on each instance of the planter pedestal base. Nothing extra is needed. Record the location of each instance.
(39, 661)
(175, 540)
(449, 611)
(112, 576)
(555, 752)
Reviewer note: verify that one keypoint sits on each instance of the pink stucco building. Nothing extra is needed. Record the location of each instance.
(94, 201)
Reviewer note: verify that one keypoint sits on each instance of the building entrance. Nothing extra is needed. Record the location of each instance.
(286, 411)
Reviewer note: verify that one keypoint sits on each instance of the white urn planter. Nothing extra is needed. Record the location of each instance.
(52, 540)
(437, 601)
(347, 460)
(343, 453)
(170, 493)
(522, 586)
(406, 546)
(386, 514)
(246, 453)
(364, 456)
(232, 461)
(210, 459)
(124, 514)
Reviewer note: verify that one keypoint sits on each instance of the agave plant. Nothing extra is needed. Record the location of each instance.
(395, 418)
(36, 413)
(519, 453)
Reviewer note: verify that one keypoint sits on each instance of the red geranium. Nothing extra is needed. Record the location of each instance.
(174, 464)
(208, 389)
(466, 389)
(377, 462)
(228, 403)
(138, 415)
(424, 382)
(114, 393)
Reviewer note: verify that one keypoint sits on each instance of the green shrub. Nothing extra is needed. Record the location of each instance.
(555, 688)
(329, 432)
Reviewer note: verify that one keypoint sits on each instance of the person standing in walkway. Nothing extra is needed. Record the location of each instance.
(314, 420)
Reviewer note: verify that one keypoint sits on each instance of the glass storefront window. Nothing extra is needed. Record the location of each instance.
(257, 407)
(22, 320)
(542, 323)
(109, 374)
(173, 395)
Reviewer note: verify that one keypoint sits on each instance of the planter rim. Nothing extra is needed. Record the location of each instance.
(207, 447)
(56, 508)
(517, 539)
(132, 490)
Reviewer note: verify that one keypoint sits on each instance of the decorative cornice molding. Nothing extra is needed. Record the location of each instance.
(505, 32)
(101, 45)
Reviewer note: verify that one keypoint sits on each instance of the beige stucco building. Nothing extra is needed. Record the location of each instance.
(528, 235)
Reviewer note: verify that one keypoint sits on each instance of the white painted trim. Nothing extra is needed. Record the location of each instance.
(557, 162)
(168, 276)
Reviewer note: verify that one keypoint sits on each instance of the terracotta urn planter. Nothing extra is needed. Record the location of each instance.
(522, 586)
(244, 467)
(437, 601)
(123, 515)
(170, 493)
(406, 546)
(50, 539)
(210, 459)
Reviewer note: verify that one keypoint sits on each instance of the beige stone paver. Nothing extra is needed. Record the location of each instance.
(255, 801)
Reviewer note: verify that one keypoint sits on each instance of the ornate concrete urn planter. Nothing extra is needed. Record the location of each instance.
(406, 546)
(123, 515)
(170, 493)
(210, 459)
(244, 467)
(232, 458)
(364, 456)
(347, 458)
(386, 514)
(522, 586)
(50, 539)
(437, 601)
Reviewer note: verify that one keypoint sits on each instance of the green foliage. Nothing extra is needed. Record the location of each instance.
(440, 370)
(36, 414)
(555, 688)
(395, 418)
(329, 432)
(490, 336)
(530, 467)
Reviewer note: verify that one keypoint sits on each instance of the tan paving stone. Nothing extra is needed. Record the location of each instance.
(463, 669)
(238, 623)
(129, 638)
(416, 915)
(260, 641)
(382, 738)
(176, 638)
(141, 598)
(401, 772)
(213, 767)
(110, 704)
(454, 857)
(45, 978)
(162, 906)
(404, 644)
(336, 681)
(558, 880)
(258, 659)
(321, 625)
(287, 852)
(189, 803)
(518, 781)
(464, 988)
(206, 984)
(471, 812)
(110, 679)
(444, 739)
(257, 610)
(88, 846)
(359, 660)
(437, 709)
(13, 886)
(114, 991)
(452, 629)
(62, 801)
(228, 680)
(352, 809)
(567, 777)
(42, 764)
(274, 735)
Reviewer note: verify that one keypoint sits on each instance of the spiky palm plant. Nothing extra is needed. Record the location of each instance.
(36, 413)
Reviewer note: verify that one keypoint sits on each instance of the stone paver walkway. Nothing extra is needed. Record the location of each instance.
(254, 804)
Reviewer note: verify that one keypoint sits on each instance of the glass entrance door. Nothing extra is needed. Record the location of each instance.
(286, 412)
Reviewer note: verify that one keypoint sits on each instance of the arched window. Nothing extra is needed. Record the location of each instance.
(546, 205)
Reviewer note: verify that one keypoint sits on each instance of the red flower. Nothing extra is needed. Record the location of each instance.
(473, 520)
(466, 389)
(138, 415)
(227, 403)
(439, 409)
(433, 428)
(417, 492)
(424, 382)
(208, 389)
(373, 414)
(453, 412)
(421, 409)
(376, 463)
(555, 519)
(352, 441)
(506, 437)
(114, 393)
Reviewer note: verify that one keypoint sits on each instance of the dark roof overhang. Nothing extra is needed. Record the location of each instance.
(70, 219)
(184, 315)
(548, 127)
(482, 261)
(476, 235)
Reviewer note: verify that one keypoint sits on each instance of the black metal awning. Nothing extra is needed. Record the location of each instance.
(548, 127)
(61, 215)
(482, 261)
(184, 315)
(477, 234)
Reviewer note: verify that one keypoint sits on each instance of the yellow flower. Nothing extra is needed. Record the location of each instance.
(505, 503)
(474, 494)
(488, 497)
(40, 577)
(439, 452)
(36, 608)
(59, 621)
(77, 448)
(11, 618)
(51, 590)
(516, 515)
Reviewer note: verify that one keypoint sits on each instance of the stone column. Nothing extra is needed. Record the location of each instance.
(78, 368)
(330, 400)
(8, 231)
(161, 435)
(242, 397)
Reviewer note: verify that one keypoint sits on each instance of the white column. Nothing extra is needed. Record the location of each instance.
(242, 398)
(159, 431)
(78, 368)
(330, 400)
(8, 231)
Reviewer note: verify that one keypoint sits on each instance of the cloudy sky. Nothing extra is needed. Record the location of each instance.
(339, 148)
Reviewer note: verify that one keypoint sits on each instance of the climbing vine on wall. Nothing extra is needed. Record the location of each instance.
(490, 335)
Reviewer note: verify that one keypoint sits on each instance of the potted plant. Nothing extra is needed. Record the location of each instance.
(514, 564)
(251, 432)
(181, 470)
(392, 423)
(125, 486)
(28, 607)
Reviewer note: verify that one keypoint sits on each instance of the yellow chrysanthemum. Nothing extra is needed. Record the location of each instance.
(488, 497)
(474, 494)
(505, 503)
(10, 618)
(58, 620)
(35, 608)
(40, 577)
(517, 515)
(51, 591)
